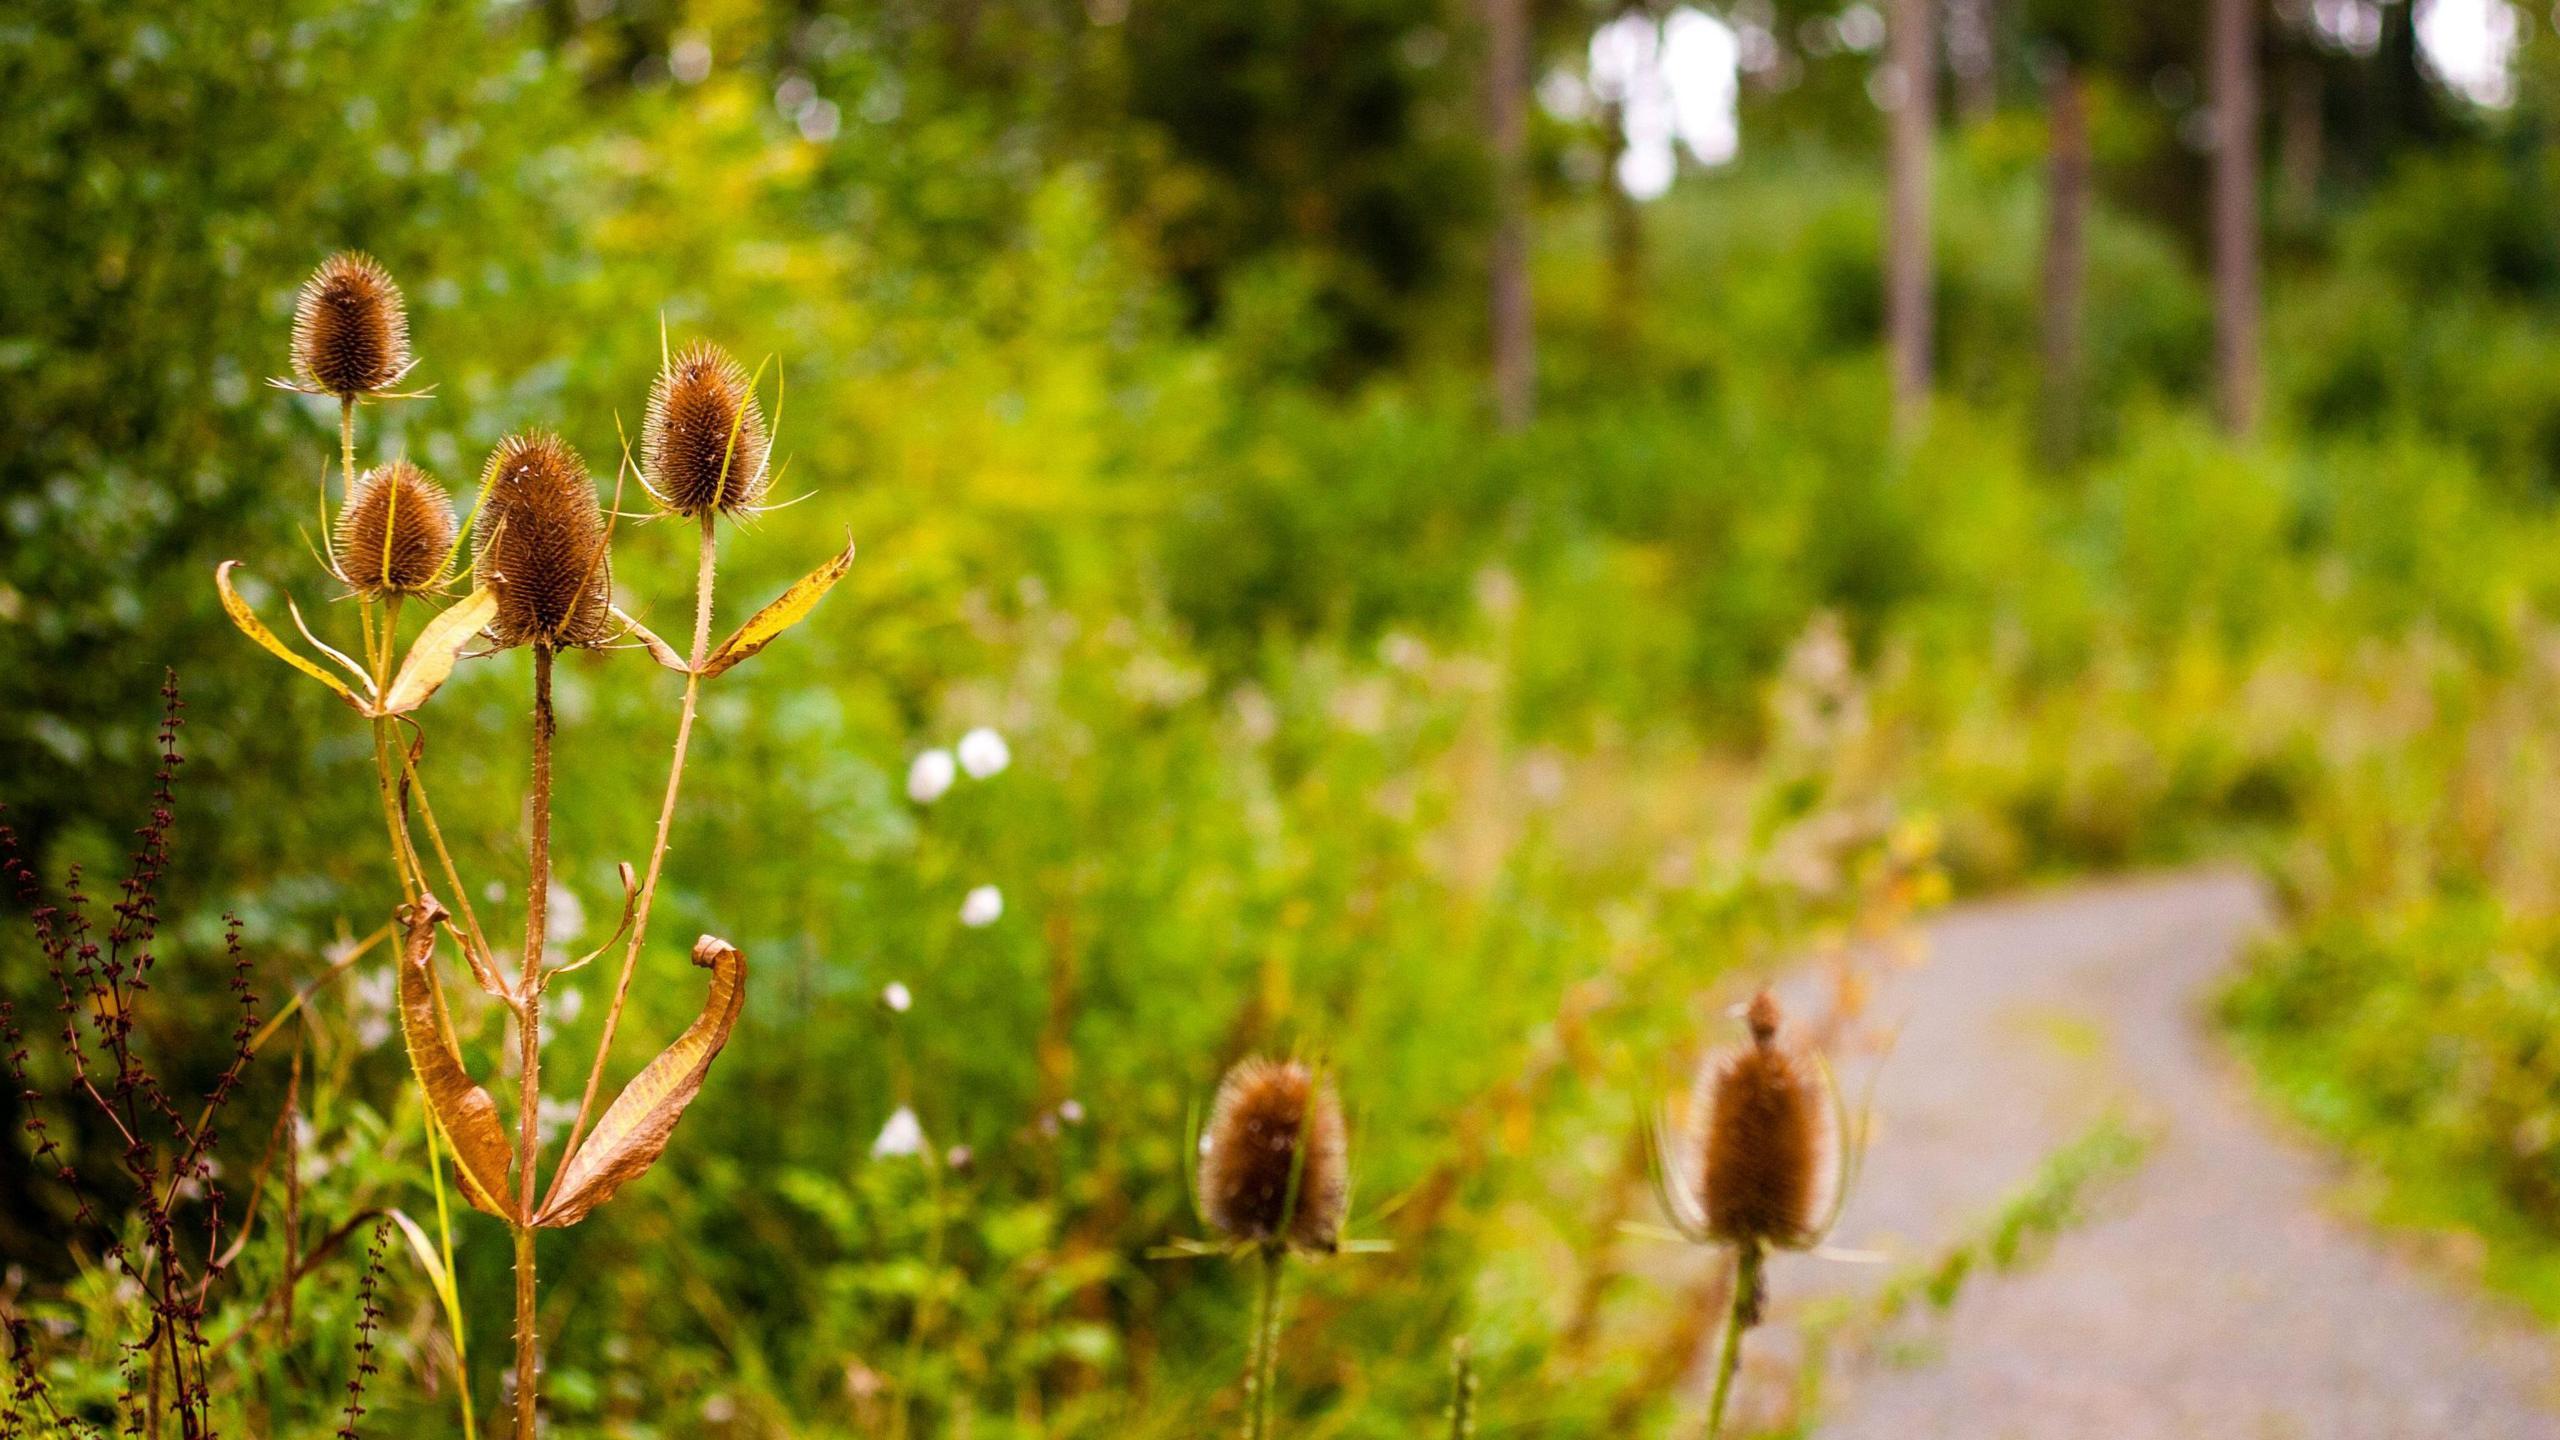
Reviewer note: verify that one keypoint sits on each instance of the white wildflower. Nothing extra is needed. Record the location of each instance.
(903, 1135)
(930, 775)
(983, 907)
(984, 754)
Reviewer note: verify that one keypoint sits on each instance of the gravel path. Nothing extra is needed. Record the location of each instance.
(2216, 1292)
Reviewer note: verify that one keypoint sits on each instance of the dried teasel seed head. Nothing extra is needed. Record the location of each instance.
(394, 531)
(1760, 1159)
(1277, 1125)
(539, 544)
(350, 328)
(703, 446)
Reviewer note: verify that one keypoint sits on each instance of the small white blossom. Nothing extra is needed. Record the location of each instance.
(565, 917)
(984, 754)
(983, 907)
(903, 1135)
(896, 997)
(1071, 1111)
(930, 775)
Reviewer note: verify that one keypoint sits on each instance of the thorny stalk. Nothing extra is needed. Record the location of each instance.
(1742, 1315)
(382, 648)
(702, 584)
(1262, 1359)
(529, 1037)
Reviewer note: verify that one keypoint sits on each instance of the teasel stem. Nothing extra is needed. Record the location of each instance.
(444, 856)
(529, 1039)
(1743, 1314)
(346, 440)
(1462, 1391)
(702, 582)
(1263, 1359)
(404, 854)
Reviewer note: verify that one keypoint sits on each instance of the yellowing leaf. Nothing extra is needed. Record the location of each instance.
(468, 1117)
(634, 1130)
(256, 629)
(781, 615)
(432, 658)
(425, 1251)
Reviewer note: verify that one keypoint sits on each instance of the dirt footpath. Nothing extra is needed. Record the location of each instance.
(2218, 1291)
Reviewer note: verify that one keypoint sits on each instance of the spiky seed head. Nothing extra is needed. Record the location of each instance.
(703, 446)
(1763, 1142)
(394, 531)
(1276, 1123)
(539, 544)
(350, 328)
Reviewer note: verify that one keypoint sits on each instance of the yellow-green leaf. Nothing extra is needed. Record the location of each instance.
(432, 658)
(464, 1111)
(635, 1127)
(781, 615)
(424, 1250)
(256, 629)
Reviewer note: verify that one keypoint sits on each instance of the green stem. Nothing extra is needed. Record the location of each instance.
(1263, 1360)
(347, 440)
(445, 1294)
(1744, 1314)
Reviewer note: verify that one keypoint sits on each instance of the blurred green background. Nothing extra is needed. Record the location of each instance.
(1140, 348)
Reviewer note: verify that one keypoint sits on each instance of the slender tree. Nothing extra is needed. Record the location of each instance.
(2065, 259)
(1973, 54)
(1907, 258)
(2234, 44)
(1506, 25)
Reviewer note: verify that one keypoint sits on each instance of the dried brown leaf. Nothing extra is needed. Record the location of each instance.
(769, 622)
(659, 650)
(635, 1128)
(463, 1110)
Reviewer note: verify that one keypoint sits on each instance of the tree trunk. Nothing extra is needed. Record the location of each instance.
(2235, 210)
(1907, 301)
(1506, 25)
(1622, 222)
(2300, 148)
(2065, 264)
(1973, 53)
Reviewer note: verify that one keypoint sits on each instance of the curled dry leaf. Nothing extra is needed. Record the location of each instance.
(659, 650)
(256, 629)
(635, 1128)
(792, 608)
(464, 1111)
(432, 658)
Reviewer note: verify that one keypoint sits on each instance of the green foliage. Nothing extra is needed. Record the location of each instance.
(1476, 764)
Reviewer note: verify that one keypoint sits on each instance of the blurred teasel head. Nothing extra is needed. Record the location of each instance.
(350, 328)
(539, 544)
(394, 532)
(703, 447)
(1274, 1167)
(1761, 1159)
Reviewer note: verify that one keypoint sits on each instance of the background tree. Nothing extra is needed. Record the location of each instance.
(1908, 290)
(1510, 323)
(2234, 66)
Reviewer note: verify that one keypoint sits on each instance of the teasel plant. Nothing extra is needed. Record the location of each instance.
(1273, 1182)
(540, 576)
(1762, 1161)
